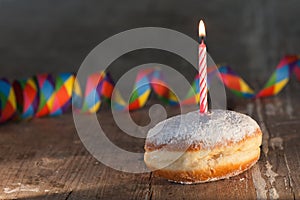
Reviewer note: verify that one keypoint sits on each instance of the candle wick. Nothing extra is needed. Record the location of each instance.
(202, 40)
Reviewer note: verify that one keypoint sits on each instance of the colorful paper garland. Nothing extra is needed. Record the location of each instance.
(274, 85)
(27, 100)
(7, 101)
(62, 94)
(46, 85)
(47, 95)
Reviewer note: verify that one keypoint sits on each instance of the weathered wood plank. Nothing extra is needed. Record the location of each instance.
(281, 123)
(273, 177)
(239, 187)
(44, 159)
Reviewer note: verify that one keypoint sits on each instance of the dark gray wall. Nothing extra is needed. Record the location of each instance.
(54, 35)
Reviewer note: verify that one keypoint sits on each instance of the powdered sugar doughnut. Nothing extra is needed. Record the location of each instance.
(194, 147)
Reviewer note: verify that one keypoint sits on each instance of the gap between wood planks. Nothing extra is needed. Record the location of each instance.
(69, 194)
(289, 176)
(265, 148)
(266, 186)
(150, 191)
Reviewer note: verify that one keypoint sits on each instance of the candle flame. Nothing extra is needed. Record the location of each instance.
(202, 29)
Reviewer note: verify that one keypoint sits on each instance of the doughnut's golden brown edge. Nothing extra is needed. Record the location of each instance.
(200, 175)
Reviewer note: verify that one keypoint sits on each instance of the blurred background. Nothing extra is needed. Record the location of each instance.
(54, 36)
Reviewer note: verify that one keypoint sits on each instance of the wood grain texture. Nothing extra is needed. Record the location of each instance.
(44, 159)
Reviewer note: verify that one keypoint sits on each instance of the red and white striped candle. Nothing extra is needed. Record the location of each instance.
(202, 62)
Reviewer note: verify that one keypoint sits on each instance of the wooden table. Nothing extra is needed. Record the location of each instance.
(45, 159)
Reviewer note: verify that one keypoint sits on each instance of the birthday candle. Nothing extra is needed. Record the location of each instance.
(202, 69)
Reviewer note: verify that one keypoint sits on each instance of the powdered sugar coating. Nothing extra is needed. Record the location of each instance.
(214, 128)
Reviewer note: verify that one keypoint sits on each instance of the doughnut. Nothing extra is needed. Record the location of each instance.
(196, 148)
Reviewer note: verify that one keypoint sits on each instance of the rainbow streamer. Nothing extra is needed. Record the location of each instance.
(235, 83)
(47, 95)
(26, 92)
(141, 90)
(150, 80)
(280, 77)
(46, 85)
(192, 96)
(162, 90)
(274, 85)
(7, 101)
(77, 98)
(63, 92)
(98, 86)
(92, 97)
